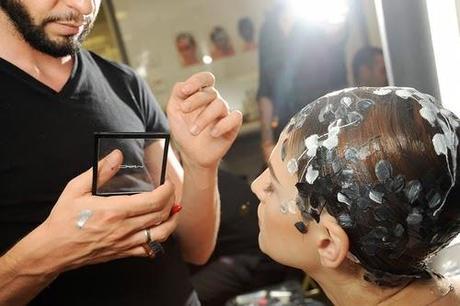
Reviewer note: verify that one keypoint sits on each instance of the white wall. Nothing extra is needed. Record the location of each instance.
(444, 25)
(158, 22)
(149, 29)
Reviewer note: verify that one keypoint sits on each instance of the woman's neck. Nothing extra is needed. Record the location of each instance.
(347, 291)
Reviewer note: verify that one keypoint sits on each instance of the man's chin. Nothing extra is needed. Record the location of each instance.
(59, 48)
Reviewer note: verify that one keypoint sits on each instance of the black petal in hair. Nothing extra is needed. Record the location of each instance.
(331, 155)
(341, 112)
(383, 170)
(345, 220)
(399, 230)
(355, 118)
(380, 233)
(323, 185)
(376, 196)
(346, 178)
(315, 201)
(329, 117)
(351, 154)
(364, 203)
(382, 214)
(370, 249)
(412, 190)
(304, 189)
(352, 192)
(434, 199)
(377, 239)
(396, 184)
(364, 105)
(301, 227)
(414, 218)
(336, 166)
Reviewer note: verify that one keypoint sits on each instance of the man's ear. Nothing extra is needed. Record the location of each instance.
(334, 244)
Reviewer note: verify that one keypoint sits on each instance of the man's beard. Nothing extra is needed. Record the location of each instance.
(36, 36)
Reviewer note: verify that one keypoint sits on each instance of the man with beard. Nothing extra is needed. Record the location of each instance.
(60, 245)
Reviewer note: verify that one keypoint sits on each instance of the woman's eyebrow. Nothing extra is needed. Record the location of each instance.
(270, 167)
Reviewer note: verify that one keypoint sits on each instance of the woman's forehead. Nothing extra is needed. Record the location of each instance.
(279, 167)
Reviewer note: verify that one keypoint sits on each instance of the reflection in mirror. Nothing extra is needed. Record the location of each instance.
(143, 166)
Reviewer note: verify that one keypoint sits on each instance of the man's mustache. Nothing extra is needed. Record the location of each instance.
(70, 17)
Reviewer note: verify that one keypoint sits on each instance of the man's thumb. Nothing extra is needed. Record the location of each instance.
(106, 169)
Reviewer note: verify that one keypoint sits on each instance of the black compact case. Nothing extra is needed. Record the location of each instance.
(144, 162)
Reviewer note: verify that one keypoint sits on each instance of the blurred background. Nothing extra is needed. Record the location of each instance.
(167, 41)
(310, 47)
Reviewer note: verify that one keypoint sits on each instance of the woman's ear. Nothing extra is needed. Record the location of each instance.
(333, 245)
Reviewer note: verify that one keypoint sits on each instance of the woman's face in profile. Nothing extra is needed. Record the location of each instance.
(278, 213)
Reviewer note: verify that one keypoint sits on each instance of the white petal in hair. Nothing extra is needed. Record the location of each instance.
(428, 115)
(346, 101)
(292, 166)
(382, 91)
(343, 199)
(404, 93)
(331, 142)
(312, 144)
(311, 175)
(439, 143)
(292, 207)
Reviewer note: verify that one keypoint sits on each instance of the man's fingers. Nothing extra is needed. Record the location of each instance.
(199, 99)
(160, 199)
(133, 243)
(214, 111)
(230, 123)
(194, 83)
(149, 220)
(161, 232)
(107, 168)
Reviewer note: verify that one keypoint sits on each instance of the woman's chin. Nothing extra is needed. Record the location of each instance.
(262, 246)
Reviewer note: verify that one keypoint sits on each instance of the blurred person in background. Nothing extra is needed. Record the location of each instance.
(247, 33)
(221, 43)
(187, 48)
(369, 67)
(298, 62)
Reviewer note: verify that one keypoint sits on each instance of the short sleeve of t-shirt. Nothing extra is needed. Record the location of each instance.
(155, 119)
(136, 94)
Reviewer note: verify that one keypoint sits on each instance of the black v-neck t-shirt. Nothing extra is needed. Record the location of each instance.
(47, 139)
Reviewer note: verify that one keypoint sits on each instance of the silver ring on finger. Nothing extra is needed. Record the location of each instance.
(148, 238)
(152, 248)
